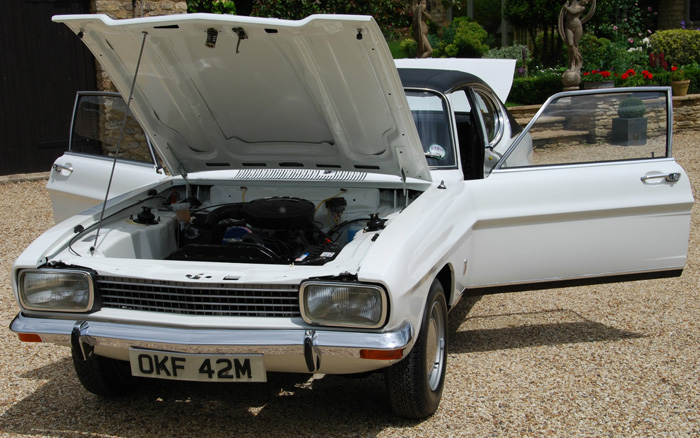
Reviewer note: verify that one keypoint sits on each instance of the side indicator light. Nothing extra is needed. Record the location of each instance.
(382, 354)
(29, 337)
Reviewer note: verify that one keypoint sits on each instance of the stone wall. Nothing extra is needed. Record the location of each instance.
(671, 12)
(686, 113)
(121, 9)
(133, 144)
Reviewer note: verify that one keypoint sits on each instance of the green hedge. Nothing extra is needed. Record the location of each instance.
(680, 46)
(464, 38)
(693, 73)
(534, 89)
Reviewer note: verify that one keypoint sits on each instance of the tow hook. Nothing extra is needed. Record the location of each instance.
(81, 341)
(311, 351)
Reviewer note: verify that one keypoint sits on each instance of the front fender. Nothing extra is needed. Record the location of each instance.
(433, 232)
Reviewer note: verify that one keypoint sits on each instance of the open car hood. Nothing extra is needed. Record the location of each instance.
(230, 92)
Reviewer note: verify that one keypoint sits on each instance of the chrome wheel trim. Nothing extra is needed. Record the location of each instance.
(435, 346)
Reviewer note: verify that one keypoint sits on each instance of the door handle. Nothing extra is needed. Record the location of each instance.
(60, 168)
(670, 177)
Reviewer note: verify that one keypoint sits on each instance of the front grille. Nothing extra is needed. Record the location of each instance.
(213, 299)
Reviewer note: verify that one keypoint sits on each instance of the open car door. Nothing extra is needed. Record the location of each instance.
(598, 198)
(79, 178)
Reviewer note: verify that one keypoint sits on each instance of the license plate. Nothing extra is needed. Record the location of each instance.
(197, 367)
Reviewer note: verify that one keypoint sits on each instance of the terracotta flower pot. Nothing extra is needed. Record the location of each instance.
(680, 88)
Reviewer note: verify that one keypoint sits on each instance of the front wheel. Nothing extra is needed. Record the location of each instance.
(415, 384)
(103, 376)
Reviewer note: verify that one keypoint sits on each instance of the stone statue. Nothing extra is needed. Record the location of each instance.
(420, 29)
(570, 30)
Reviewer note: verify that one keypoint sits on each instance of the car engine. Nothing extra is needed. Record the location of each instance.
(275, 230)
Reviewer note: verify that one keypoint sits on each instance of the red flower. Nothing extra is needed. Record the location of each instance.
(624, 76)
(674, 68)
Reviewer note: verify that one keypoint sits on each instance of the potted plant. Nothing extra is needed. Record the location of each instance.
(630, 78)
(679, 83)
(597, 79)
(630, 128)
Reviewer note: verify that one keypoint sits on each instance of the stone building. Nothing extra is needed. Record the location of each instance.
(120, 9)
(672, 12)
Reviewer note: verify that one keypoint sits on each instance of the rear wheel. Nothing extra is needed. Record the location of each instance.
(103, 376)
(415, 384)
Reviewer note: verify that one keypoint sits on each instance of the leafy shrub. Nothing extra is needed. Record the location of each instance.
(613, 55)
(680, 46)
(625, 21)
(692, 72)
(534, 89)
(286, 9)
(597, 52)
(510, 52)
(631, 108)
(391, 15)
(463, 39)
(211, 6)
(631, 78)
(409, 47)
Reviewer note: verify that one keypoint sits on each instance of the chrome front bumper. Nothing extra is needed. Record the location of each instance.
(301, 350)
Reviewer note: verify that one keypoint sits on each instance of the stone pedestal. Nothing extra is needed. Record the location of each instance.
(629, 132)
(571, 79)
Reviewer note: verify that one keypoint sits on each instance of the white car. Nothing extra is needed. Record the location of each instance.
(326, 210)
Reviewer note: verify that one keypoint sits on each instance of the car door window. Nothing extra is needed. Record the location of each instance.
(596, 127)
(432, 121)
(97, 127)
(492, 118)
(584, 203)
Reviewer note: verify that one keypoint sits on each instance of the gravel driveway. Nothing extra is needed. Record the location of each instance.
(608, 360)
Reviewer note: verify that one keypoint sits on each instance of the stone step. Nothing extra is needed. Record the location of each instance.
(524, 112)
(546, 123)
(555, 138)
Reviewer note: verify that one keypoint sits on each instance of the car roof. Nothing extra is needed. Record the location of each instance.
(443, 81)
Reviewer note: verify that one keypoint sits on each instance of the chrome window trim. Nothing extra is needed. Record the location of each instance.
(154, 159)
(576, 165)
(526, 130)
(499, 125)
(452, 127)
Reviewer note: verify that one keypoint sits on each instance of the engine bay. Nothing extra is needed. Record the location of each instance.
(218, 224)
(276, 230)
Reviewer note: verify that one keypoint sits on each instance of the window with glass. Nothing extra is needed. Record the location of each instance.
(599, 127)
(491, 116)
(97, 128)
(431, 116)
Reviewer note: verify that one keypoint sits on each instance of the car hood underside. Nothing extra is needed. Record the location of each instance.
(228, 92)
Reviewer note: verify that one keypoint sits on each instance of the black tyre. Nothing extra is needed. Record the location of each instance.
(415, 384)
(103, 376)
